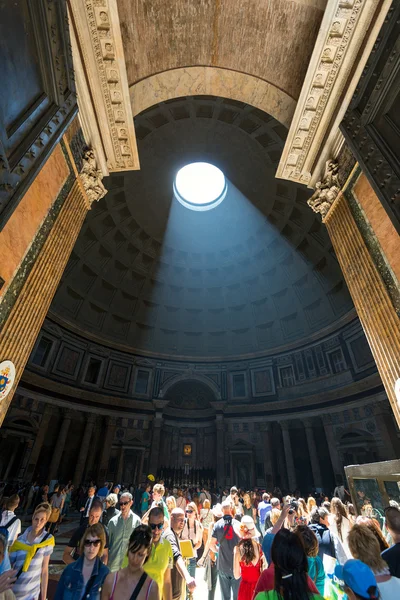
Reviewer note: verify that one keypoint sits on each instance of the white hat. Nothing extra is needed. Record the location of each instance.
(246, 525)
(217, 511)
(226, 503)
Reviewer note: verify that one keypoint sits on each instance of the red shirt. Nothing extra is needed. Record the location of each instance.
(266, 581)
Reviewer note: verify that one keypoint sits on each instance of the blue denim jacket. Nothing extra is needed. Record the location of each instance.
(70, 586)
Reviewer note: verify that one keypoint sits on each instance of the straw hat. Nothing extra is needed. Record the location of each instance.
(246, 526)
(217, 511)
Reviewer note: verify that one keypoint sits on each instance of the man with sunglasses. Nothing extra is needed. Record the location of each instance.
(179, 573)
(161, 560)
(71, 552)
(120, 528)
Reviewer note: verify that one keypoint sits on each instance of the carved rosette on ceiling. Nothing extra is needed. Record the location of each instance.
(102, 86)
(343, 30)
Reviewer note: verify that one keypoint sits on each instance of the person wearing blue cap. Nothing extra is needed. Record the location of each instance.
(359, 580)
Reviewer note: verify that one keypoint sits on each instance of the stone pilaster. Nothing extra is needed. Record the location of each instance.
(120, 465)
(336, 461)
(220, 458)
(39, 439)
(59, 447)
(268, 468)
(155, 445)
(106, 450)
(287, 446)
(84, 450)
(23, 324)
(312, 450)
(371, 299)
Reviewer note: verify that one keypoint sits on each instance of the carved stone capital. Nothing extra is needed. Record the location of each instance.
(326, 191)
(332, 76)
(91, 178)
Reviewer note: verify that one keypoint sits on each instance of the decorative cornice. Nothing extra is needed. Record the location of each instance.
(102, 85)
(324, 95)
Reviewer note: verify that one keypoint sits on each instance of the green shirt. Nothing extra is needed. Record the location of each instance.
(120, 530)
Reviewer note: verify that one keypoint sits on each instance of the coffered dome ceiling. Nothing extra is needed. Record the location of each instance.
(252, 275)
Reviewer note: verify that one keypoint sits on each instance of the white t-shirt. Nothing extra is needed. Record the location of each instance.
(389, 590)
(14, 530)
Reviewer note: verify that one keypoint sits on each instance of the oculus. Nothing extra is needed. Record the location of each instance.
(200, 186)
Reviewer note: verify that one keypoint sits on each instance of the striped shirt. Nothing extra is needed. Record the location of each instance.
(27, 586)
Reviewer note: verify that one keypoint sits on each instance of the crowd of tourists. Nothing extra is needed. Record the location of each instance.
(148, 544)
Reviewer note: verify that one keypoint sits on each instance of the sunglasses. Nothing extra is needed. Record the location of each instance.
(189, 512)
(123, 503)
(156, 526)
(92, 542)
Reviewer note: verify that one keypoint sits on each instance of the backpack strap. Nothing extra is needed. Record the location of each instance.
(10, 522)
(139, 586)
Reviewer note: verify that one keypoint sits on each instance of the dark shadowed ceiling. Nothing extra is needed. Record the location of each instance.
(252, 275)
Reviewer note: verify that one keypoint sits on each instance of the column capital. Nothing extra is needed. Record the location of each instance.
(91, 419)
(309, 423)
(285, 425)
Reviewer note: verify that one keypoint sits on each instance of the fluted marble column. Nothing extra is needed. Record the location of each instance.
(23, 324)
(84, 450)
(291, 473)
(312, 450)
(59, 447)
(371, 299)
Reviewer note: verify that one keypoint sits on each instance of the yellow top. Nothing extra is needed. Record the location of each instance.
(30, 550)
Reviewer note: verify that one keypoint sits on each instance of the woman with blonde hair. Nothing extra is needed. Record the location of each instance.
(340, 526)
(30, 556)
(84, 577)
(206, 518)
(302, 510)
(373, 526)
(171, 503)
(364, 546)
(192, 531)
(310, 504)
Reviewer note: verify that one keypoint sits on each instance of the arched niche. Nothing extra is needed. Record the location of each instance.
(181, 383)
(212, 81)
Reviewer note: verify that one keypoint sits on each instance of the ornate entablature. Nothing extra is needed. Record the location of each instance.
(102, 86)
(338, 361)
(332, 76)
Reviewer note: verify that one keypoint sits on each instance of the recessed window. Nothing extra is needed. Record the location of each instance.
(200, 186)
(42, 352)
(337, 361)
(239, 386)
(93, 371)
(142, 380)
(287, 376)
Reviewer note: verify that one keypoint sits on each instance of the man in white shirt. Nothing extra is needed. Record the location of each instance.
(10, 521)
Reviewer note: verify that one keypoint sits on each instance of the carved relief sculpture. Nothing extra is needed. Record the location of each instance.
(326, 190)
(91, 178)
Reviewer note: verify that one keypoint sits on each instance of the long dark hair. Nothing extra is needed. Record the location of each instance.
(248, 551)
(291, 566)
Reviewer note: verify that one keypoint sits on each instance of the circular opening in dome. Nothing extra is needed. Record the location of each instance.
(200, 186)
